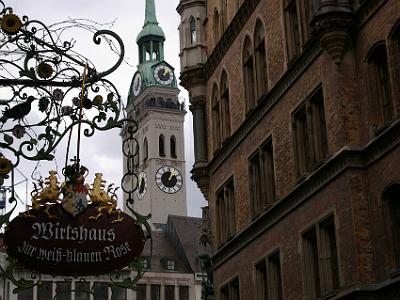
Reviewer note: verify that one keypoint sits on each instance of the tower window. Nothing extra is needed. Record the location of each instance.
(156, 50)
(145, 149)
(161, 145)
(192, 24)
(173, 146)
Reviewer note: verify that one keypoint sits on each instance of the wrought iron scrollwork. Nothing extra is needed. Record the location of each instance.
(46, 90)
(41, 79)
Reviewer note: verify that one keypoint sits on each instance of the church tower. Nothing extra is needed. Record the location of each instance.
(153, 103)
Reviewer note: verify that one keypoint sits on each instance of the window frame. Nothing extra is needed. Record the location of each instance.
(225, 212)
(325, 256)
(262, 182)
(309, 134)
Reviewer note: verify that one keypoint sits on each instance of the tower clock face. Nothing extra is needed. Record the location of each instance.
(169, 179)
(142, 185)
(163, 74)
(137, 84)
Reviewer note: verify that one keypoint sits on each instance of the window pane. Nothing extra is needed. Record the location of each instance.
(118, 293)
(26, 294)
(155, 292)
(261, 281)
(274, 277)
(141, 292)
(63, 290)
(169, 292)
(311, 264)
(100, 291)
(45, 291)
(82, 290)
(183, 293)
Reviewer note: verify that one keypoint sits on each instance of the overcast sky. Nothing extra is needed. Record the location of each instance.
(102, 153)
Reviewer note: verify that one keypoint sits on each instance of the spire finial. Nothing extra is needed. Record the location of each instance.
(150, 14)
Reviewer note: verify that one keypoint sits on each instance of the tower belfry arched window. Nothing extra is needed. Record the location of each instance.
(145, 149)
(172, 144)
(192, 25)
(161, 145)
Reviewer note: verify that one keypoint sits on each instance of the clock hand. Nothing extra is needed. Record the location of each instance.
(172, 174)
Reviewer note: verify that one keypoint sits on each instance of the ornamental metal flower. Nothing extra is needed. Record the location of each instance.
(43, 104)
(5, 166)
(76, 101)
(98, 100)
(44, 70)
(67, 110)
(18, 131)
(58, 95)
(10, 24)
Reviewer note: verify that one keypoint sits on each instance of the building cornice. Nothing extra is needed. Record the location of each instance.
(346, 159)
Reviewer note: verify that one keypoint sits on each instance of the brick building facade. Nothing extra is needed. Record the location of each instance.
(296, 107)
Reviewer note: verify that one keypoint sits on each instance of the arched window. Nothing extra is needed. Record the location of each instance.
(216, 34)
(391, 205)
(145, 149)
(161, 145)
(192, 25)
(248, 74)
(260, 59)
(172, 144)
(225, 106)
(378, 73)
(216, 118)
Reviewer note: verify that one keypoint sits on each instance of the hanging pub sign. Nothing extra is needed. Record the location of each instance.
(74, 229)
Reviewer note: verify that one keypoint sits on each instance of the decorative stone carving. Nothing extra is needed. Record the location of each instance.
(201, 176)
(333, 30)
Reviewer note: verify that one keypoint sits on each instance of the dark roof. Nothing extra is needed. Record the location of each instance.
(180, 242)
(162, 248)
(185, 232)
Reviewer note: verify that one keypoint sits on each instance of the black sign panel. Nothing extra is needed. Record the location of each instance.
(56, 243)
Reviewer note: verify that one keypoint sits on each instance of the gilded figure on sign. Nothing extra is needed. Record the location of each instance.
(46, 194)
(104, 200)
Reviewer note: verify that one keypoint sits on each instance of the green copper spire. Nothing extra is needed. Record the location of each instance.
(150, 27)
(150, 16)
